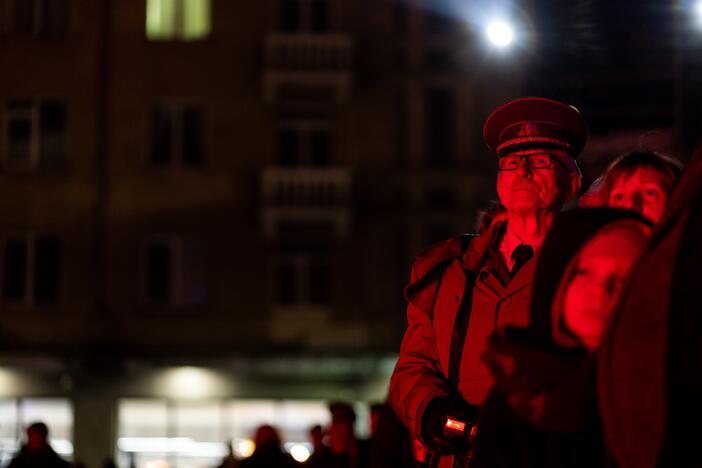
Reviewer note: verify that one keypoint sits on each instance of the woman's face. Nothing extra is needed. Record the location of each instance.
(601, 269)
(643, 191)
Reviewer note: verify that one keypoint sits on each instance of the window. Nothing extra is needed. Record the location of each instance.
(439, 123)
(176, 135)
(303, 278)
(16, 414)
(34, 133)
(185, 20)
(305, 144)
(156, 432)
(174, 272)
(161, 270)
(31, 270)
(304, 15)
(39, 18)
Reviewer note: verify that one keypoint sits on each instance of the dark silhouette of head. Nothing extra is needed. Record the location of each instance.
(37, 436)
(267, 438)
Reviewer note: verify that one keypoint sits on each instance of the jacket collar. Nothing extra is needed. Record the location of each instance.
(479, 249)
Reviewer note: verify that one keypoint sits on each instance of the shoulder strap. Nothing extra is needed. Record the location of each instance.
(460, 329)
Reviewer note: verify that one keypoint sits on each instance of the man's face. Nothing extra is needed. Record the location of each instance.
(529, 190)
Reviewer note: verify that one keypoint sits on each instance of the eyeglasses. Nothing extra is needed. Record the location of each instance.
(511, 162)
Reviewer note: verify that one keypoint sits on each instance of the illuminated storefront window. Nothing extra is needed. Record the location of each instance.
(159, 432)
(17, 414)
(185, 20)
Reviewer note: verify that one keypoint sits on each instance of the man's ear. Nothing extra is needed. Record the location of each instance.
(499, 187)
(574, 180)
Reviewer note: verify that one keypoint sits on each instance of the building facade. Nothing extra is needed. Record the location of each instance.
(210, 207)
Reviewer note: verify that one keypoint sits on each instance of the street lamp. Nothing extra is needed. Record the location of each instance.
(500, 33)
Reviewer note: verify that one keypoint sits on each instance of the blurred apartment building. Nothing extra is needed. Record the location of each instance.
(209, 208)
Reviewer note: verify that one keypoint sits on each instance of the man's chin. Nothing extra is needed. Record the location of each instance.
(523, 207)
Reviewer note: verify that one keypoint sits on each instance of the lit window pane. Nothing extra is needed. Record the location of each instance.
(196, 19)
(143, 431)
(8, 430)
(197, 434)
(177, 19)
(160, 19)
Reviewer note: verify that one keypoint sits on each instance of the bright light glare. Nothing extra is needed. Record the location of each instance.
(500, 33)
(157, 464)
(189, 382)
(300, 453)
(698, 10)
(244, 447)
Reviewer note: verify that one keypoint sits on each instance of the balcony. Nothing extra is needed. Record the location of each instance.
(316, 196)
(308, 64)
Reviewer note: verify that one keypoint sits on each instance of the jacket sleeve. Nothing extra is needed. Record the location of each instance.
(417, 378)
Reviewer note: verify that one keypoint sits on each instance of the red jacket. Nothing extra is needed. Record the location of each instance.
(440, 278)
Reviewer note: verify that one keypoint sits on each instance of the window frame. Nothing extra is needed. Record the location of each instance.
(30, 239)
(176, 110)
(36, 134)
(302, 263)
(175, 244)
(305, 131)
(39, 23)
(306, 21)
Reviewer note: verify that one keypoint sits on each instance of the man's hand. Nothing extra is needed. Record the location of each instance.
(452, 437)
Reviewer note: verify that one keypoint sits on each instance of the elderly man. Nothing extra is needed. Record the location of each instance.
(465, 289)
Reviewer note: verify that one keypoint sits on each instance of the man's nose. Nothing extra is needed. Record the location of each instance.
(523, 168)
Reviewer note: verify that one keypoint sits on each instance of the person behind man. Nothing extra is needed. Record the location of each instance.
(269, 451)
(466, 288)
(641, 181)
(36, 451)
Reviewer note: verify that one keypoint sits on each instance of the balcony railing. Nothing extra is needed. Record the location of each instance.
(315, 187)
(312, 196)
(308, 62)
(306, 52)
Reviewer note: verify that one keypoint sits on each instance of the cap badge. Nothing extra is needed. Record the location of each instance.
(528, 129)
